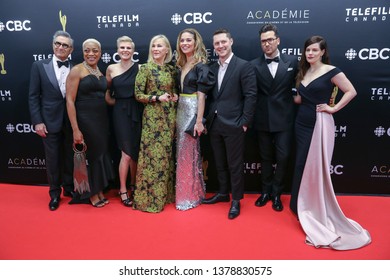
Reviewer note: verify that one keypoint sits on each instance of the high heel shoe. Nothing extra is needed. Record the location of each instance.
(127, 201)
(132, 189)
(98, 204)
(102, 198)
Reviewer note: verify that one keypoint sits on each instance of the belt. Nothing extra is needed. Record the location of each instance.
(188, 94)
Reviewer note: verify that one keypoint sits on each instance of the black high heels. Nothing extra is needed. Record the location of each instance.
(126, 201)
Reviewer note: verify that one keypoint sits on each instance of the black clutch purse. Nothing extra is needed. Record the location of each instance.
(190, 128)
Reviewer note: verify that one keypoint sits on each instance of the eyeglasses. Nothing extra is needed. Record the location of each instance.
(269, 41)
(58, 44)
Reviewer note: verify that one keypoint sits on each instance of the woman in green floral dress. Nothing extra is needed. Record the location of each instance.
(155, 86)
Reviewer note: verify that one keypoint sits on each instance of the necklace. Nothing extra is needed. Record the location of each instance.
(96, 72)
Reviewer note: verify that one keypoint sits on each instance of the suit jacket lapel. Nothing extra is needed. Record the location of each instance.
(264, 72)
(228, 73)
(282, 69)
(49, 69)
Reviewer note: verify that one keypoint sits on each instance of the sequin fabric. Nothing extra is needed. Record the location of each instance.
(190, 187)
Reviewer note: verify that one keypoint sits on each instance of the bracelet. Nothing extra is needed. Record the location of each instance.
(158, 99)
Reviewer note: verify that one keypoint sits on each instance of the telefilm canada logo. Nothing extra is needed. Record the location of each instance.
(252, 168)
(285, 16)
(5, 95)
(368, 14)
(380, 94)
(340, 131)
(118, 21)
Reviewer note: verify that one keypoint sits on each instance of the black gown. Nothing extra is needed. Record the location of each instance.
(313, 197)
(317, 92)
(127, 112)
(92, 119)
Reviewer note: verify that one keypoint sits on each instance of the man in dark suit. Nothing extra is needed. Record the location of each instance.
(49, 117)
(231, 109)
(274, 114)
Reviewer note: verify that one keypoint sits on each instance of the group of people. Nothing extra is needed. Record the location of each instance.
(160, 110)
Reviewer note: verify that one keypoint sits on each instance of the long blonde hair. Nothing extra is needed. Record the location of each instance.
(200, 54)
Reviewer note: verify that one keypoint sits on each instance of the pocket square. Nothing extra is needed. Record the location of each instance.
(290, 69)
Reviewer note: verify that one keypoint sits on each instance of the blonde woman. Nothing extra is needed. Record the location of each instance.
(155, 87)
(127, 114)
(195, 80)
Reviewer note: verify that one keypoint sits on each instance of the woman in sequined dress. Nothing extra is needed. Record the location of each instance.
(155, 86)
(195, 80)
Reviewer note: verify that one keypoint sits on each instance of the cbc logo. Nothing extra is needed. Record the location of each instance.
(192, 18)
(368, 54)
(20, 128)
(380, 131)
(15, 25)
(337, 169)
(106, 57)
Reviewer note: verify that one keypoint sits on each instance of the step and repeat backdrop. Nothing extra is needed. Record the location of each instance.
(357, 32)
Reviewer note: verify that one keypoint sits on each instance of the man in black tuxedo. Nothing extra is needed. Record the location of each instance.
(274, 114)
(49, 117)
(231, 109)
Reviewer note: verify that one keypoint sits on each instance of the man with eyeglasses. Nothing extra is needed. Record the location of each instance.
(47, 105)
(273, 121)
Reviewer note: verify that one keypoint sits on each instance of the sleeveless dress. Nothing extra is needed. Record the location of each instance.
(155, 177)
(127, 112)
(92, 119)
(313, 197)
(190, 187)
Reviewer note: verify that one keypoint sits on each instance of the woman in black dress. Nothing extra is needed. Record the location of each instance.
(87, 110)
(313, 197)
(127, 114)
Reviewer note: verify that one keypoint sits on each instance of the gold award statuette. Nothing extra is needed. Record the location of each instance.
(63, 21)
(3, 71)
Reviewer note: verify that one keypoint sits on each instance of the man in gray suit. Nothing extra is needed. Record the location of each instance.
(49, 117)
(231, 109)
(274, 116)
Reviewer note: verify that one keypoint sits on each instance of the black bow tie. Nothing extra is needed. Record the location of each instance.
(269, 60)
(63, 63)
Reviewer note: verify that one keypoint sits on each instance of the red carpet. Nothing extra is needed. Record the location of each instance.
(30, 231)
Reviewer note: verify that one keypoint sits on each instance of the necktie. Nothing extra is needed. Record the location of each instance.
(269, 60)
(63, 63)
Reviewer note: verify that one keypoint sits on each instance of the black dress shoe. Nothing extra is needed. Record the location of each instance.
(277, 203)
(70, 194)
(216, 198)
(263, 199)
(54, 203)
(234, 209)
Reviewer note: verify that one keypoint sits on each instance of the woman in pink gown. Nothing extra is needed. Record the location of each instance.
(313, 198)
